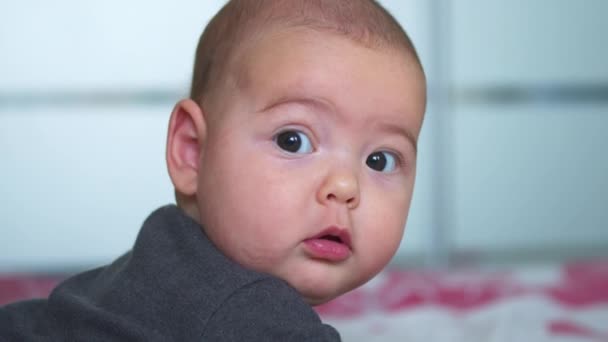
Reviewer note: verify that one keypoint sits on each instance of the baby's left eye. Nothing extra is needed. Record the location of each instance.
(382, 161)
(294, 142)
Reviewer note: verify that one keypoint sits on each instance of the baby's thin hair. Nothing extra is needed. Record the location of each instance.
(363, 21)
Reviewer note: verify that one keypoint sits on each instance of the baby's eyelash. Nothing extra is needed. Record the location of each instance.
(400, 158)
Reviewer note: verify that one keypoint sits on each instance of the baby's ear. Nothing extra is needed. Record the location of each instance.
(187, 131)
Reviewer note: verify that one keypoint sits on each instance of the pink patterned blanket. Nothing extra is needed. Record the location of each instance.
(541, 303)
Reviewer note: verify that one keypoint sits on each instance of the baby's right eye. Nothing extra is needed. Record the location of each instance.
(293, 142)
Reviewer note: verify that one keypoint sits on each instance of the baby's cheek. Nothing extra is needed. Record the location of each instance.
(264, 233)
(385, 248)
(380, 245)
(258, 256)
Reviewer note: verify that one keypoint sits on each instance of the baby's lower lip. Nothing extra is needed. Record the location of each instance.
(326, 250)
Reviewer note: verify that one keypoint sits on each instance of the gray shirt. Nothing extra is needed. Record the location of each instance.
(174, 285)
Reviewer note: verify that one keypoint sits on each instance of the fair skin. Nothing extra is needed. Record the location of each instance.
(305, 169)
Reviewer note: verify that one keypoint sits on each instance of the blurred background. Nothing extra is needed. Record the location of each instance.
(512, 165)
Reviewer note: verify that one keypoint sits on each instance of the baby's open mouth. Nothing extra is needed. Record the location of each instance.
(336, 235)
(332, 244)
(332, 238)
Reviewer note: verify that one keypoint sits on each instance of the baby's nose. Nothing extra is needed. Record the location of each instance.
(341, 186)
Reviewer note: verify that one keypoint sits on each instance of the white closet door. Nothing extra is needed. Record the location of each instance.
(530, 115)
(77, 183)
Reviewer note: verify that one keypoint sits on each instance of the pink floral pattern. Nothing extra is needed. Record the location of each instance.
(573, 288)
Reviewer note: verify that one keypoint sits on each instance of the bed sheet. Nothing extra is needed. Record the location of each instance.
(558, 303)
(567, 303)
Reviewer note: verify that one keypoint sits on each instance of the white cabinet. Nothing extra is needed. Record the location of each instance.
(521, 42)
(530, 177)
(68, 45)
(77, 183)
(522, 164)
(528, 119)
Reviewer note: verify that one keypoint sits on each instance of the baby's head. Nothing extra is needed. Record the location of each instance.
(297, 149)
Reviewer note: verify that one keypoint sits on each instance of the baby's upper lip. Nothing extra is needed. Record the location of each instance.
(335, 232)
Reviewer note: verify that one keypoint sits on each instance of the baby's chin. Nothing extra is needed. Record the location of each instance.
(317, 295)
(315, 299)
(318, 286)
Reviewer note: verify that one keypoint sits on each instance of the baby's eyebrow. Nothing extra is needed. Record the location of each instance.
(399, 130)
(313, 102)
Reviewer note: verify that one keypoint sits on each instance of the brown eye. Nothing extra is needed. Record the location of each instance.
(294, 142)
(382, 161)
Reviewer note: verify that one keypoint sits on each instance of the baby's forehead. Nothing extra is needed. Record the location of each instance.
(301, 43)
(313, 68)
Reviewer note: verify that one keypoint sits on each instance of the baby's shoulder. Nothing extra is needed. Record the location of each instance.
(267, 309)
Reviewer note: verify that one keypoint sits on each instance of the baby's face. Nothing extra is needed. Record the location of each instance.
(308, 168)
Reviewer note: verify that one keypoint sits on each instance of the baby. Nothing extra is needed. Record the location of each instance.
(293, 163)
